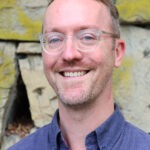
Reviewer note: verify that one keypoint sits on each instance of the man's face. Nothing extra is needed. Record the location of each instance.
(79, 77)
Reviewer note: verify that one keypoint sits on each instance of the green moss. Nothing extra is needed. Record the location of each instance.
(7, 3)
(29, 29)
(7, 71)
(123, 76)
(33, 27)
(134, 11)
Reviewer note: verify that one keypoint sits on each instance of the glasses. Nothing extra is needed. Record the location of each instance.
(84, 40)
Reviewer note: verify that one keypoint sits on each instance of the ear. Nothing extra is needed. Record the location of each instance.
(119, 52)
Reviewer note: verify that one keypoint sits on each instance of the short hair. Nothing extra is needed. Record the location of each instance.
(113, 12)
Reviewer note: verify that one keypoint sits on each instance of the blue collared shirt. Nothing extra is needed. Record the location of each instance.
(114, 134)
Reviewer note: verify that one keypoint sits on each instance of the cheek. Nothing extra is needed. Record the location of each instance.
(103, 57)
(48, 61)
(108, 50)
(45, 62)
(97, 57)
(48, 64)
(49, 68)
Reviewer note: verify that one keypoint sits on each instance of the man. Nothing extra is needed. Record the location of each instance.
(81, 46)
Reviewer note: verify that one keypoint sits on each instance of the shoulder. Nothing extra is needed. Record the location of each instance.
(135, 131)
(135, 137)
(33, 140)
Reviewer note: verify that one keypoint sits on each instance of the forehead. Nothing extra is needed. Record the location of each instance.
(73, 14)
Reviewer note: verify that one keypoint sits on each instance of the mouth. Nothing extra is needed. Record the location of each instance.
(74, 74)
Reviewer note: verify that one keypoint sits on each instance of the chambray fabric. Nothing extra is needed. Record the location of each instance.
(114, 134)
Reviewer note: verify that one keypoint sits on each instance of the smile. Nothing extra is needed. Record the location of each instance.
(74, 74)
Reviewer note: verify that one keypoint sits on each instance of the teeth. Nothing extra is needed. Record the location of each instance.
(74, 74)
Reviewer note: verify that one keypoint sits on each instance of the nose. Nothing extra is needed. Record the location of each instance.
(70, 53)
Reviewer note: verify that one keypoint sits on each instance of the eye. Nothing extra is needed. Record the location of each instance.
(88, 38)
(54, 41)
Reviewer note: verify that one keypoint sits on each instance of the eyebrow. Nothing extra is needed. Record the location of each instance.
(61, 30)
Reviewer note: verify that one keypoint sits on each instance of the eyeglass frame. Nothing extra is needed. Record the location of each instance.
(97, 31)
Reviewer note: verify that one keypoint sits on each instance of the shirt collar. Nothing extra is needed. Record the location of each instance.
(109, 132)
(106, 135)
(54, 131)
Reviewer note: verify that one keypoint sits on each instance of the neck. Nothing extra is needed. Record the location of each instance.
(75, 125)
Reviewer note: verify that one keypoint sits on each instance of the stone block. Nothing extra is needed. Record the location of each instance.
(21, 19)
(41, 96)
(9, 141)
(29, 48)
(132, 81)
(134, 11)
(7, 79)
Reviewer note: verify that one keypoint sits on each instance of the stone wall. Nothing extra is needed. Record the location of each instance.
(27, 102)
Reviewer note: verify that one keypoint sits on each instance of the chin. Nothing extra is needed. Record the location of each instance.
(75, 101)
